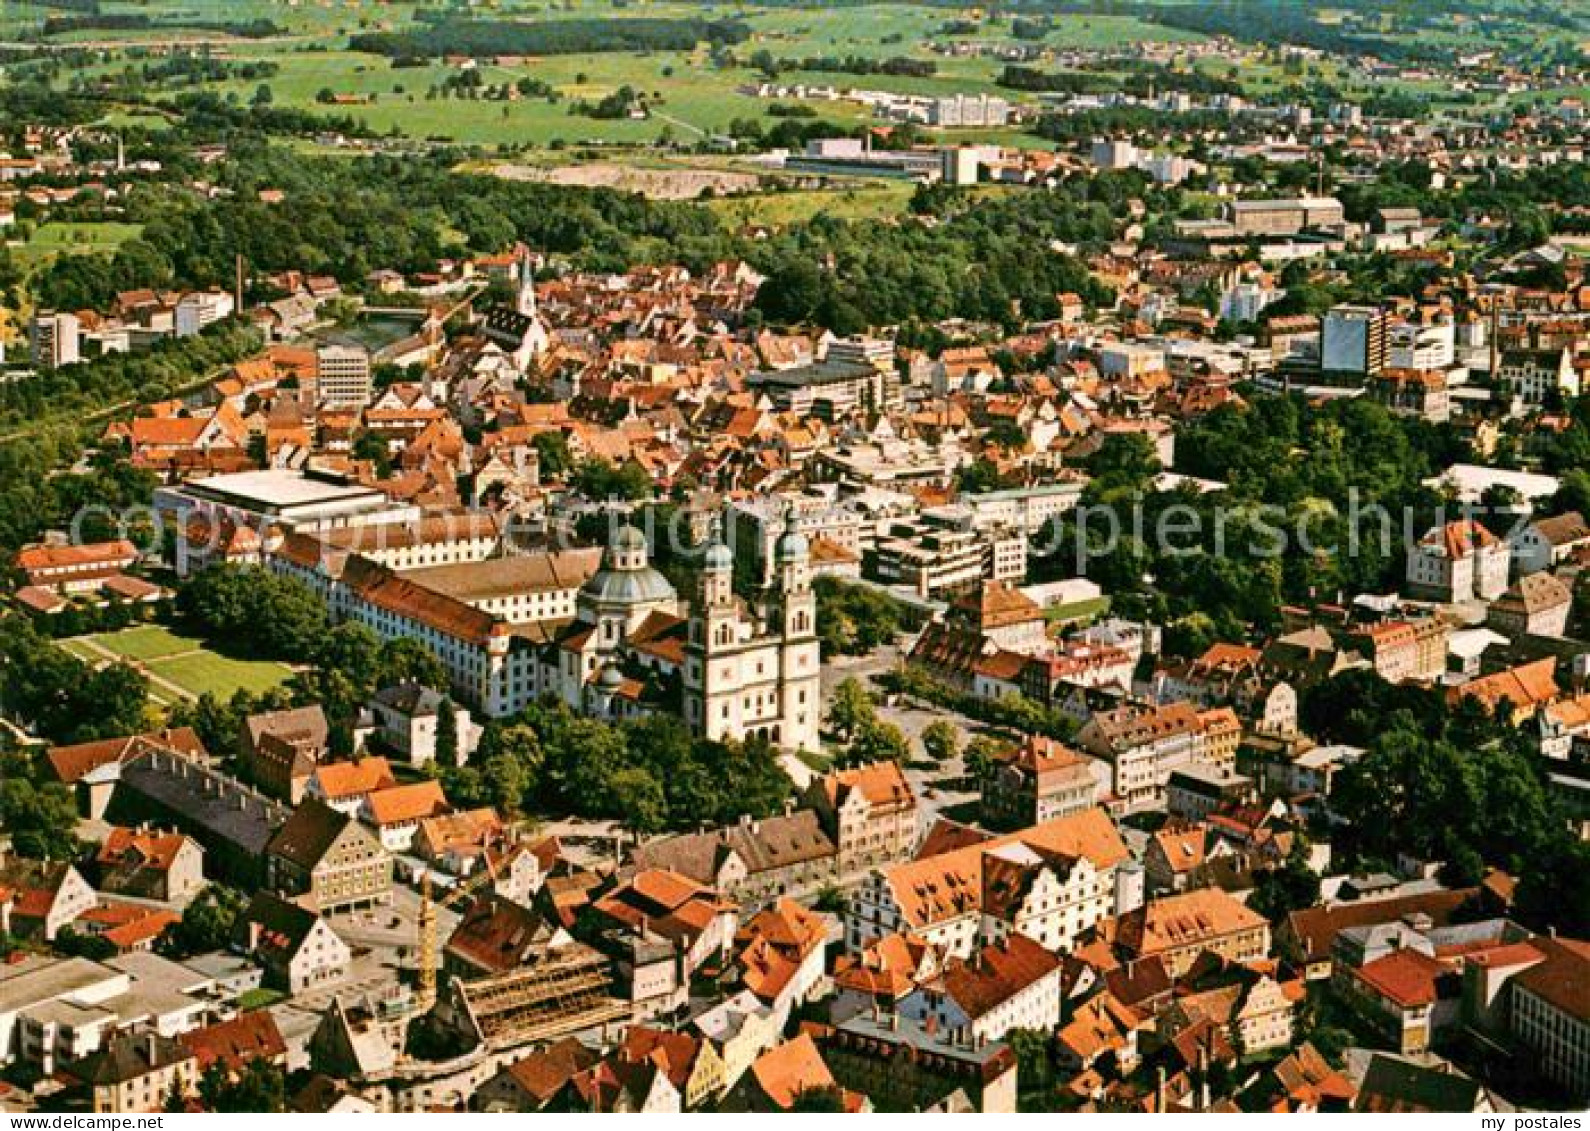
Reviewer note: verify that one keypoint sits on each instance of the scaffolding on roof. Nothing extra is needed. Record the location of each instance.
(567, 991)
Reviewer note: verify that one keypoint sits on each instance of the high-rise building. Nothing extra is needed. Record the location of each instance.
(55, 339)
(1423, 345)
(1353, 339)
(342, 377)
(1114, 153)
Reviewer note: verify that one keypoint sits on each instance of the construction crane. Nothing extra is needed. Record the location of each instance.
(429, 962)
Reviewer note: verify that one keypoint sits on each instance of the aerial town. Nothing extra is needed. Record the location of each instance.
(709, 558)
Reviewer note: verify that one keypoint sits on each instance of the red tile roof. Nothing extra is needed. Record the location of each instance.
(343, 780)
(402, 803)
(70, 763)
(787, 1070)
(248, 1036)
(1406, 978)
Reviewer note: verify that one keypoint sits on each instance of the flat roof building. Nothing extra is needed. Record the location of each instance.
(291, 500)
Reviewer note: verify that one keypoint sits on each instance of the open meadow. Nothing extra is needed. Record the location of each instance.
(177, 666)
(689, 94)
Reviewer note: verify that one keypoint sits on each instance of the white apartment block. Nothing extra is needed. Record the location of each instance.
(342, 376)
(198, 309)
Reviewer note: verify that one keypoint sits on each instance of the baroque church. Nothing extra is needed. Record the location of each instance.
(733, 669)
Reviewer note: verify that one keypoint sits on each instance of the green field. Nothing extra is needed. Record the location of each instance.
(864, 200)
(178, 666)
(688, 94)
(146, 642)
(67, 238)
(199, 672)
(776, 209)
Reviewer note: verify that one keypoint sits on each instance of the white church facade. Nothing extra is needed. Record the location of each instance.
(733, 669)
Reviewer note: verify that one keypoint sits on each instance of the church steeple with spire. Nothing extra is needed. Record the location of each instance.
(518, 329)
(526, 303)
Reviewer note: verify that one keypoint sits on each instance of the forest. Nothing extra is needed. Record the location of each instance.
(486, 38)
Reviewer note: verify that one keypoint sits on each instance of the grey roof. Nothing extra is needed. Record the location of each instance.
(128, 1056)
(817, 374)
(204, 798)
(1393, 1085)
(308, 723)
(775, 842)
(628, 537)
(793, 546)
(630, 587)
(414, 700)
(36, 979)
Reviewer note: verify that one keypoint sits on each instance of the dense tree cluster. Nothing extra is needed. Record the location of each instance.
(206, 922)
(1318, 501)
(1259, 21)
(142, 21)
(90, 503)
(178, 69)
(74, 393)
(1138, 77)
(649, 773)
(1015, 714)
(864, 738)
(971, 262)
(61, 698)
(489, 38)
(208, 116)
(764, 61)
(853, 620)
(39, 816)
(1454, 784)
(256, 612)
(258, 1086)
(619, 104)
(598, 478)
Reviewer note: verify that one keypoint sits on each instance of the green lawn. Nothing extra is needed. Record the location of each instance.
(259, 998)
(1078, 610)
(776, 209)
(146, 642)
(198, 672)
(182, 662)
(69, 238)
(80, 650)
